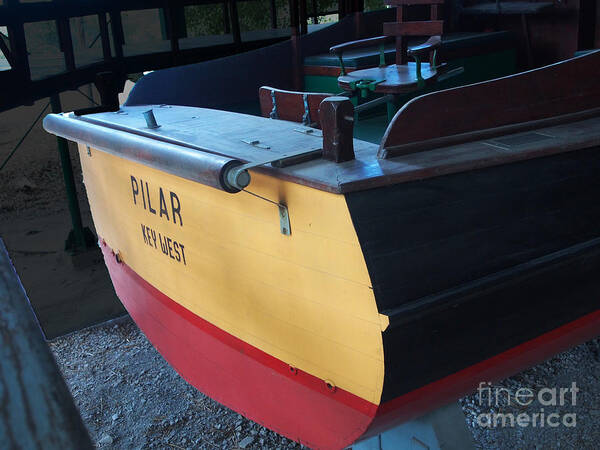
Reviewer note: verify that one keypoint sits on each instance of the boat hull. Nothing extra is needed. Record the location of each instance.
(283, 329)
(238, 375)
(294, 403)
(372, 312)
(468, 265)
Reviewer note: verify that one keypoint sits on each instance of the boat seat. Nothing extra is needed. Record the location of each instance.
(454, 45)
(302, 107)
(392, 79)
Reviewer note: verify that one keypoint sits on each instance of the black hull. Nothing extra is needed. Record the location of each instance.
(469, 265)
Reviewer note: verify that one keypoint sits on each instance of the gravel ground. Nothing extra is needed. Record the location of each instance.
(580, 365)
(129, 397)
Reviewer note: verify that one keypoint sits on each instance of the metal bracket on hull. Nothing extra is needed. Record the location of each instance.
(284, 214)
(284, 220)
(237, 177)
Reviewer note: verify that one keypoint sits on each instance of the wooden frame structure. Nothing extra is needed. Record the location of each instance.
(17, 87)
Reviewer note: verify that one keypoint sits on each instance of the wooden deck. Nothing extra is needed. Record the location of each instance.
(223, 133)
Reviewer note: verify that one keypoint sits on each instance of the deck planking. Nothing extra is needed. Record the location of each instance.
(222, 132)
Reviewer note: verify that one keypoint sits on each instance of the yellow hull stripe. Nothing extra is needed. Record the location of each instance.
(306, 299)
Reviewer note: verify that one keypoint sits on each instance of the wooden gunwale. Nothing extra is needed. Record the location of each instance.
(487, 133)
(177, 160)
(364, 172)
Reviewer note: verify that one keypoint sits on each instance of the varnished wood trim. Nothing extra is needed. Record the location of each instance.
(337, 117)
(563, 88)
(360, 43)
(290, 104)
(420, 28)
(487, 133)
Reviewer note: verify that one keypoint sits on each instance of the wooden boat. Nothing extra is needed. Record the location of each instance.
(330, 288)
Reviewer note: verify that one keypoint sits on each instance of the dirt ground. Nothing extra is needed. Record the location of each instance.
(35, 222)
(128, 396)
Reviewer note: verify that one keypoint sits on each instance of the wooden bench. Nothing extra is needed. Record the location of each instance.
(302, 107)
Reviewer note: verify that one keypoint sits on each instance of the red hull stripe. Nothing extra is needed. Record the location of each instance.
(296, 404)
(242, 377)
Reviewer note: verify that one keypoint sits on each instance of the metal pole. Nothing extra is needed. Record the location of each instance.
(303, 17)
(78, 237)
(235, 23)
(273, 14)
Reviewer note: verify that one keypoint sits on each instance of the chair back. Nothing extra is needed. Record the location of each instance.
(302, 107)
(405, 28)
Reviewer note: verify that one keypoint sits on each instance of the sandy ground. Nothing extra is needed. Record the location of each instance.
(130, 398)
(35, 222)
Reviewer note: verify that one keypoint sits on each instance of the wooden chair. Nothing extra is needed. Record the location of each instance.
(402, 77)
(302, 107)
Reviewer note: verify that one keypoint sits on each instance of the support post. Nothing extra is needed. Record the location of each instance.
(109, 85)
(358, 7)
(235, 23)
(65, 39)
(18, 45)
(342, 10)
(77, 237)
(296, 45)
(391, 109)
(104, 36)
(315, 12)
(37, 407)
(337, 122)
(273, 14)
(118, 36)
(303, 17)
(175, 21)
